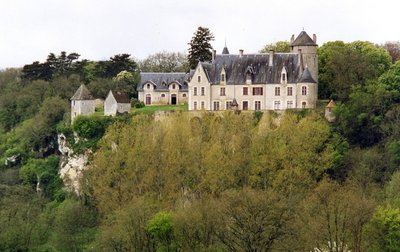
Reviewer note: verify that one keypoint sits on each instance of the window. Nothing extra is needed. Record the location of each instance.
(203, 91)
(195, 105)
(228, 105)
(289, 91)
(283, 77)
(222, 91)
(277, 91)
(257, 91)
(199, 78)
(303, 104)
(277, 104)
(194, 91)
(222, 77)
(148, 86)
(248, 78)
(245, 90)
(73, 103)
(216, 105)
(173, 86)
(257, 105)
(183, 95)
(245, 105)
(202, 105)
(303, 90)
(289, 104)
(162, 95)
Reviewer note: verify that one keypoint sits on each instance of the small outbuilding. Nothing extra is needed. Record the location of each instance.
(329, 115)
(116, 103)
(82, 103)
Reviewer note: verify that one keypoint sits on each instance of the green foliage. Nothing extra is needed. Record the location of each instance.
(280, 46)
(343, 65)
(200, 47)
(383, 232)
(165, 62)
(160, 228)
(136, 103)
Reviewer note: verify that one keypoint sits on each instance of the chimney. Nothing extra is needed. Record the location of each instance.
(292, 39)
(271, 57)
(314, 38)
(300, 61)
(241, 52)
(213, 53)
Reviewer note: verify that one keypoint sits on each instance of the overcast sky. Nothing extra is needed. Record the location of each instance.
(98, 29)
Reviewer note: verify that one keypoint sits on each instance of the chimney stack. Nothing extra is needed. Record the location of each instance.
(292, 39)
(314, 38)
(271, 57)
(213, 53)
(241, 52)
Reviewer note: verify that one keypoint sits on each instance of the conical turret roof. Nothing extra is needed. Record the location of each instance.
(82, 94)
(306, 77)
(303, 40)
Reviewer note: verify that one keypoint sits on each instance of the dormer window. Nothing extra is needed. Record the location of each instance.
(284, 76)
(173, 86)
(148, 86)
(222, 77)
(199, 78)
(248, 78)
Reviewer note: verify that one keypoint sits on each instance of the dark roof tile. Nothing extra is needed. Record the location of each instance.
(82, 94)
(303, 40)
(163, 80)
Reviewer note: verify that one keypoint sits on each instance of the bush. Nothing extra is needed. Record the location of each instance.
(136, 103)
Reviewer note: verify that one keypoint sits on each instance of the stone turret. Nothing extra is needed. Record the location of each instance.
(82, 103)
(305, 46)
(329, 115)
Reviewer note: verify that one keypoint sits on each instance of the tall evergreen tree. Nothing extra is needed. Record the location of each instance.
(200, 47)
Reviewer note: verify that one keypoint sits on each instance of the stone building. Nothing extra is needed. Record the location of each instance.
(262, 81)
(116, 103)
(329, 115)
(82, 103)
(163, 88)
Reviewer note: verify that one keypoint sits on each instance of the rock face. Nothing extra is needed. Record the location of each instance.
(71, 166)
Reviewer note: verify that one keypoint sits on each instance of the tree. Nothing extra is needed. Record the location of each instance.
(344, 65)
(393, 49)
(165, 62)
(200, 47)
(280, 46)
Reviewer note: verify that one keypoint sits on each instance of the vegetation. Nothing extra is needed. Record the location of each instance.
(200, 47)
(280, 46)
(203, 182)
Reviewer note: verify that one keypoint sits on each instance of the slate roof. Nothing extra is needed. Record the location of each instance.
(82, 94)
(225, 50)
(163, 80)
(303, 40)
(121, 97)
(306, 77)
(237, 66)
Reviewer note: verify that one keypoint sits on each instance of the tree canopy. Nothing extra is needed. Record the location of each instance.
(200, 48)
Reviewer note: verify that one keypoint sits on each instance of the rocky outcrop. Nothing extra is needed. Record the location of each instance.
(71, 166)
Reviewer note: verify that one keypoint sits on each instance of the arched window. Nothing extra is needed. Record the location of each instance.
(162, 95)
(173, 86)
(199, 78)
(303, 90)
(303, 104)
(148, 86)
(183, 95)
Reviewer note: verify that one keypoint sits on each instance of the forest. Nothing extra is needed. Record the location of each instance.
(261, 181)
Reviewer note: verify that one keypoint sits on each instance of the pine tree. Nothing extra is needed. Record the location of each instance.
(200, 47)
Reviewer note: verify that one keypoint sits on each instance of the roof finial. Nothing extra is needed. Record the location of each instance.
(225, 42)
(303, 28)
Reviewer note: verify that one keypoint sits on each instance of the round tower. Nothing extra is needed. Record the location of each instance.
(306, 47)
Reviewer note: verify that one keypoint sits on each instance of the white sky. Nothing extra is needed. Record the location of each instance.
(98, 29)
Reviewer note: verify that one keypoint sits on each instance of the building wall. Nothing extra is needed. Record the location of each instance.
(124, 108)
(163, 97)
(82, 107)
(268, 100)
(110, 105)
